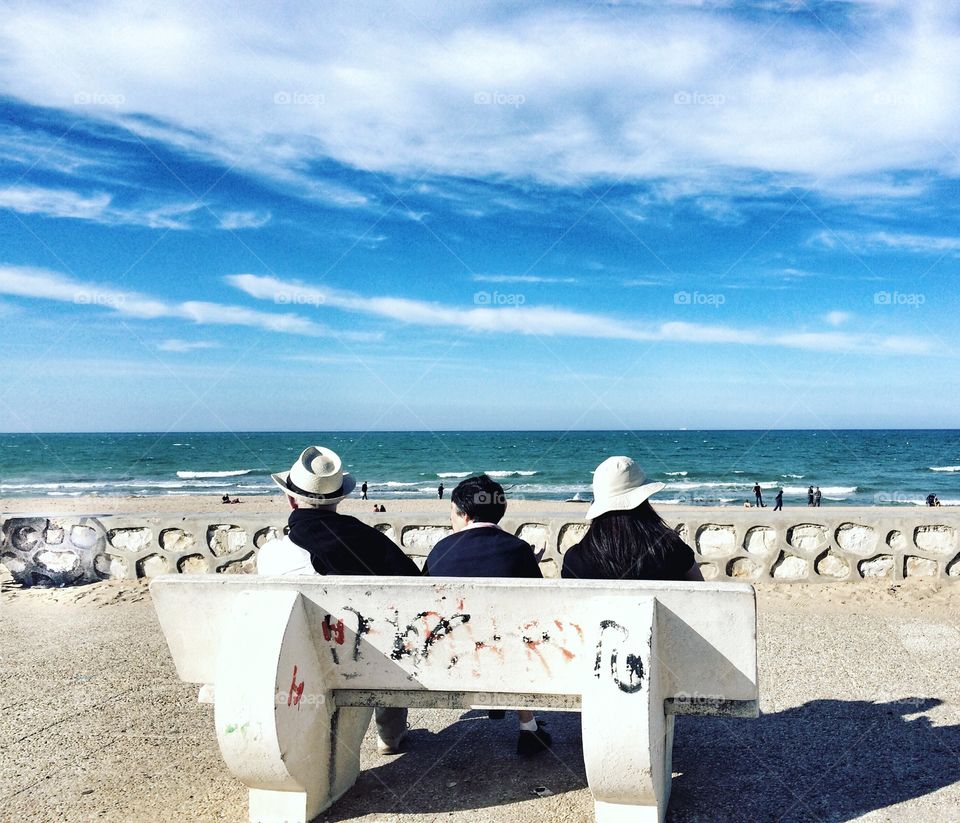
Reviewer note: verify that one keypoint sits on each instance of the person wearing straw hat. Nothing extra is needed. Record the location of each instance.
(627, 539)
(322, 541)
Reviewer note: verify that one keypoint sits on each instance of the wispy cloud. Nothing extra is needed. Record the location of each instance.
(549, 321)
(521, 278)
(645, 93)
(887, 241)
(837, 318)
(233, 220)
(185, 346)
(41, 284)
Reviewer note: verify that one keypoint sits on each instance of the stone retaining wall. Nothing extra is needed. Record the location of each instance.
(822, 545)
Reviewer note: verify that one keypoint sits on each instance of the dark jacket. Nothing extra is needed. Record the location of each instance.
(482, 552)
(340, 544)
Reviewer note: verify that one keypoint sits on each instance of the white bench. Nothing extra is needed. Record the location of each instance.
(288, 658)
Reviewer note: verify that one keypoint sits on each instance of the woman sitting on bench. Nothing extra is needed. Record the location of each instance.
(627, 539)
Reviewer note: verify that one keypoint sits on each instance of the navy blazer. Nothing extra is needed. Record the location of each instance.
(482, 552)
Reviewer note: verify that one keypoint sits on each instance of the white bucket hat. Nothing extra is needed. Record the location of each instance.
(316, 477)
(619, 484)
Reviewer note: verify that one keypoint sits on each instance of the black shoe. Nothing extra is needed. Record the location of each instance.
(531, 743)
(496, 714)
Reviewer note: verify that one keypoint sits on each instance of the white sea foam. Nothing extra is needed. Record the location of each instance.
(516, 473)
(833, 492)
(945, 468)
(453, 474)
(675, 474)
(395, 484)
(793, 476)
(198, 475)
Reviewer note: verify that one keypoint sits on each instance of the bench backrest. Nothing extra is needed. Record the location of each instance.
(484, 635)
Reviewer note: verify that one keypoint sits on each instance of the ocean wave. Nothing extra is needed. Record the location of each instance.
(199, 475)
(512, 473)
(675, 474)
(793, 476)
(944, 468)
(826, 491)
(453, 474)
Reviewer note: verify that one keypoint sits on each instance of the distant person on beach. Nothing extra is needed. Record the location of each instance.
(363, 490)
(810, 496)
(816, 497)
(758, 494)
(933, 500)
(778, 501)
(321, 541)
(440, 491)
(478, 547)
(627, 539)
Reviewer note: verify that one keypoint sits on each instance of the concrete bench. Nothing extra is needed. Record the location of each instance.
(297, 662)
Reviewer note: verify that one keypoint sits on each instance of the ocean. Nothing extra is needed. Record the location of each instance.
(897, 468)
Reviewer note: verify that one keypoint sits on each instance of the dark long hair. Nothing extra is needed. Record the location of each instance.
(630, 545)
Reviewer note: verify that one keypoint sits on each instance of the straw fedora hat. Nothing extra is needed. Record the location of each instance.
(619, 484)
(316, 477)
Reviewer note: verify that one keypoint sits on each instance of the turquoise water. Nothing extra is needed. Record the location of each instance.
(709, 467)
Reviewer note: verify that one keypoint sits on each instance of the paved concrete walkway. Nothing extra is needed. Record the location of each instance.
(860, 701)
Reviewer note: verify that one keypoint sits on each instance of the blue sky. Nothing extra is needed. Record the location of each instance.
(421, 216)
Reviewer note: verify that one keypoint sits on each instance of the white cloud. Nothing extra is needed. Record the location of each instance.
(887, 241)
(233, 220)
(550, 321)
(99, 207)
(548, 92)
(521, 278)
(185, 346)
(54, 202)
(836, 318)
(41, 284)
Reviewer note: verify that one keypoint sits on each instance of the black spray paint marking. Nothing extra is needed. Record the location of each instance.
(634, 664)
(442, 629)
(363, 627)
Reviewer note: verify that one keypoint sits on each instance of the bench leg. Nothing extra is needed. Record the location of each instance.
(278, 729)
(627, 739)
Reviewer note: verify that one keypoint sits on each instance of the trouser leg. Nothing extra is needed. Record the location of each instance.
(391, 723)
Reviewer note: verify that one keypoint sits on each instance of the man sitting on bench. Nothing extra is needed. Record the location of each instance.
(321, 541)
(478, 547)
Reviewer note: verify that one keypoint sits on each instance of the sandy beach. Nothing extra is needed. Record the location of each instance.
(860, 721)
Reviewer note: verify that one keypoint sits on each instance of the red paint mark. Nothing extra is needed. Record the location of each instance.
(296, 691)
(460, 605)
(336, 632)
(569, 655)
(579, 630)
(536, 651)
(531, 624)
(558, 624)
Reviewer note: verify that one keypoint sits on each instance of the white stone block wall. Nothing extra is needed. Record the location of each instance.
(799, 545)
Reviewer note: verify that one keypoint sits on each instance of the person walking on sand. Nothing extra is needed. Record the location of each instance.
(758, 494)
(810, 496)
(363, 490)
(440, 491)
(816, 497)
(322, 541)
(778, 501)
(478, 547)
